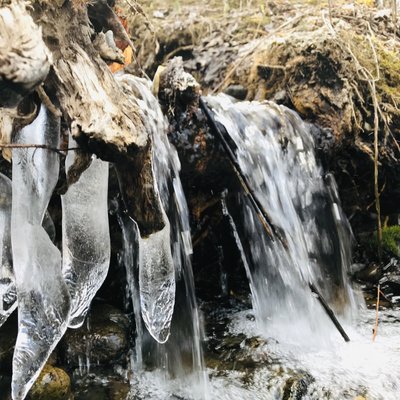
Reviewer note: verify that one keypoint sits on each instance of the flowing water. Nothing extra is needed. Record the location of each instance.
(285, 347)
(180, 359)
(275, 151)
(299, 353)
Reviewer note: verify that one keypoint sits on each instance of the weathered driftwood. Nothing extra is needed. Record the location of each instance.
(203, 167)
(102, 116)
(141, 201)
(24, 58)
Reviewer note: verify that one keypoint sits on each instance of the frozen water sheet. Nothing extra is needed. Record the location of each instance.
(157, 283)
(86, 238)
(43, 298)
(8, 293)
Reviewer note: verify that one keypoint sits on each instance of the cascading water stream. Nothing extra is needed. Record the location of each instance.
(180, 360)
(275, 151)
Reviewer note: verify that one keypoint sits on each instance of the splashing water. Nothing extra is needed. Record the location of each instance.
(275, 151)
(86, 237)
(43, 298)
(344, 371)
(180, 360)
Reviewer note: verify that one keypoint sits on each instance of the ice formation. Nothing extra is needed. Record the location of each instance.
(157, 283)
(43, 298)
(181, 356)
(8, 294)
(156, 265)
(86, 239)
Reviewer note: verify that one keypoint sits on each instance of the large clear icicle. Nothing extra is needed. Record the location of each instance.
(86, 237)
(43, 298)
(156, 265)
(157, 283)
(8, 290)
(8, 293)
(181, 356)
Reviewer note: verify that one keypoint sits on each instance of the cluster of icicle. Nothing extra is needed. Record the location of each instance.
(185, 343)
(53, 289)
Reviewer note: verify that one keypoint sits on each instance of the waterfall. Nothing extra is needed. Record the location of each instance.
(275, 152)
(180, 359)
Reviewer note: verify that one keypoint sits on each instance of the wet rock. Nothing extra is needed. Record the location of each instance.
(296, 387)
(8, 334)
(254, 342)
(52, 384)
(236, 352)
(103, 339)
(5, 387)
(372, 273)
(280, 97)
(101, 385)
(390, 281)
(237, 91)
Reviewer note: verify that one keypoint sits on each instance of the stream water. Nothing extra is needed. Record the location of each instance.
(286, 346)
(274, 343)
(181, 357)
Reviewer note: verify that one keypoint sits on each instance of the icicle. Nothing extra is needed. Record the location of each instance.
(86, 238)
(156, 265)
(157, 283)
(8, 293)
(130, 236)
(43, 298)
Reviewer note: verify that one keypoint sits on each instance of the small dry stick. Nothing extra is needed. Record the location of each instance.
(377, 314)
(36, 146)
(47, 102)
(394, 16)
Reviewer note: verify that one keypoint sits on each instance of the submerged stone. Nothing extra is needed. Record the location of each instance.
(296, 387)
(52, 384)
(101, 385)
(103, 338)
(237, 91)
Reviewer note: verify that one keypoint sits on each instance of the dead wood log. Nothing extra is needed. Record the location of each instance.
(24, 58)
(141, 200)
(57, 38)
(102, 116)
(203, 167)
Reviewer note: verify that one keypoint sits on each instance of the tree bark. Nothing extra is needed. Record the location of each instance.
(51, 44)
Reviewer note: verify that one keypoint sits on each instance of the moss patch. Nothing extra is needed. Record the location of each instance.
(390, 241)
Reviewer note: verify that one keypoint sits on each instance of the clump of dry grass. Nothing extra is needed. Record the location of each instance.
(79, 5)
